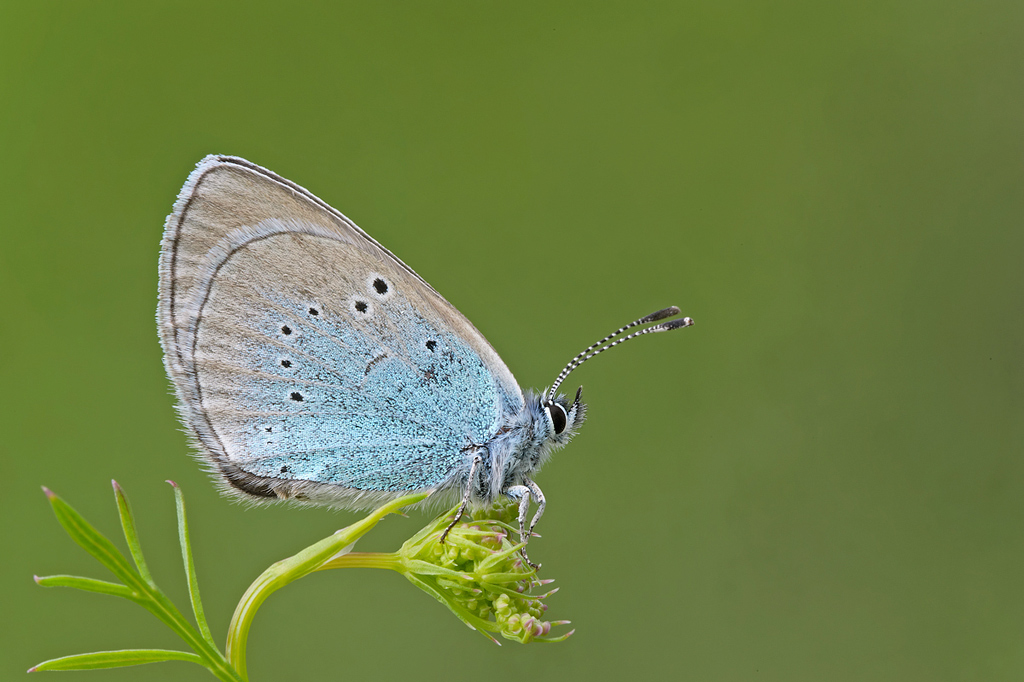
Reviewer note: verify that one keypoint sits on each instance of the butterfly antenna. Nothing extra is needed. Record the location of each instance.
(600, 346)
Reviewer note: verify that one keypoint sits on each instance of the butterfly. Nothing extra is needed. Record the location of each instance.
(312, 365)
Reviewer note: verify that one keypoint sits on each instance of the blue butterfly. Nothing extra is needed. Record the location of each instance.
(312, 365)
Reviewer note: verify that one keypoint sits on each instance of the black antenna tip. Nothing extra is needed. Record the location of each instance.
(675, 324)
(660, 315)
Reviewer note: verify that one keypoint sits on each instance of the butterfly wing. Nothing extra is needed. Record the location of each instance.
(309, 362)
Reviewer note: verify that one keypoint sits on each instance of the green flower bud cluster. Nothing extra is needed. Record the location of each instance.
(480, 575)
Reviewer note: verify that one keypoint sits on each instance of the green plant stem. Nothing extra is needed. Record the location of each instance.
(388, 560)
(288, 570)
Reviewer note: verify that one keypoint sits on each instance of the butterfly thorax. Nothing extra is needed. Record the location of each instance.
(522, 444)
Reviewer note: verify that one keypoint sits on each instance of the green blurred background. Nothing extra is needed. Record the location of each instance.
(822, 480)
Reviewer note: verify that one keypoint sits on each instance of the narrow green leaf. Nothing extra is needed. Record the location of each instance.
(148, 596)
(130, 533)
(190, 569)
(87, 584)
(92, 541)
(114, 659)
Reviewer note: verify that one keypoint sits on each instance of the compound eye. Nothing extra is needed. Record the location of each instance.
(558, 417)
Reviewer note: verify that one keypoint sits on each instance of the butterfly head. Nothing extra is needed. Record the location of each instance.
(563, 418)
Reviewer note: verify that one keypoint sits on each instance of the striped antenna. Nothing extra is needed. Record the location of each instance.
(590, 351)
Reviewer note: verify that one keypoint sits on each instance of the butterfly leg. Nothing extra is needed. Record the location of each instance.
(541, 503)
(471, 480)
(522, 493)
